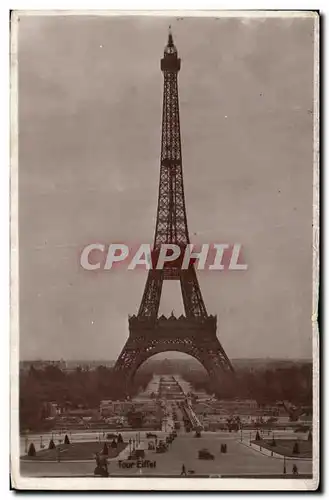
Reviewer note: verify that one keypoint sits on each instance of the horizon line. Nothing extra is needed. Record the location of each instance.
(174, 359)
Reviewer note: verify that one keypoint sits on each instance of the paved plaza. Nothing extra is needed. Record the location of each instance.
(240, 459)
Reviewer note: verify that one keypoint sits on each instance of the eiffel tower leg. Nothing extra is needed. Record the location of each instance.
(221, 372)
(151, 298)
(125, 366)
(192, 298)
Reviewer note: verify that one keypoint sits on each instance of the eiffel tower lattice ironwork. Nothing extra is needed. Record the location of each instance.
(194, 333)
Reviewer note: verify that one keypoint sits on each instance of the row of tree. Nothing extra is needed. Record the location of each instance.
(85, 388)
(81, 388)
(266, 386)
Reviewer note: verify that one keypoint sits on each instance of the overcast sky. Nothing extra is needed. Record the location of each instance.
(90, 98)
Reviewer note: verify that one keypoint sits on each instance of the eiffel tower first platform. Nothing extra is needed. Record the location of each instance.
(194, 333)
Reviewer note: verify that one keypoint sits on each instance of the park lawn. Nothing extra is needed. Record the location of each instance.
(76, 451)
(285, 447)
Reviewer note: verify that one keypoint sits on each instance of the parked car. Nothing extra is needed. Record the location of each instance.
(162, 447)
(139, 454)
(302, 428)
(205, 454)
(111, 435)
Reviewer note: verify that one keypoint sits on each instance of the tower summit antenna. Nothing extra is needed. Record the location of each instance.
(170, 37)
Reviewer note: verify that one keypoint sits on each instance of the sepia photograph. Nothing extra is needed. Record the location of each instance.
(164, 250)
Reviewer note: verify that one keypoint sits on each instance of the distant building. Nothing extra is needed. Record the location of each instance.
(227, 407)
(41, 364)
(111, 408)
(82, 413)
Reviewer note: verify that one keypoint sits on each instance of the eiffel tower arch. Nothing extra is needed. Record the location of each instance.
(195, 332)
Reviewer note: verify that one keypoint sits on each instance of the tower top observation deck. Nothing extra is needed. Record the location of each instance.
(170, 61)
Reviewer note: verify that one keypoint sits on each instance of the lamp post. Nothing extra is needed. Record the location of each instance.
(284, 465)
(250, 439)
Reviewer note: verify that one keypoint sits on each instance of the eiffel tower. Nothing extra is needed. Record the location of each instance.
(194, 333)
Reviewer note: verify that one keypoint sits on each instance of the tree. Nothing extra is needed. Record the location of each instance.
(51, 445)
(105, 449)
(31, 452)
(66, 440)
(295, 449)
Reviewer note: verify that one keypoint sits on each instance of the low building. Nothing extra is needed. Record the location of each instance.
(111, 408)
(83, 413)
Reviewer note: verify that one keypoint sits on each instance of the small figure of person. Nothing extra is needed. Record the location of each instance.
(98, 464)
(183, 473)
(295, 470)
(103, 464)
